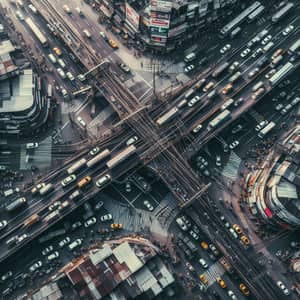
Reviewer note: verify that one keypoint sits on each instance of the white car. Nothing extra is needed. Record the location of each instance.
(226, 48)
(90, 222)
(234, 144)
(194, 100)
(197, 128)
(181, 224)
(70, 76)
(81, 121)
(245, 52)
(53, 256)
(233, 233)
(106, 217)
(132, 140)
(94, 151)
(35, 266)
(288, 30)
(64, 242)
(232, 295)
(266, 40)
(148, 205)
(270, 73)
(61, 73)
(283, 288)
(279, 106)
(19, 15)
(54, 205)
(261, 125)
(75, 244)
(3, 224)
(47, 250)
(103, 180)
(31, 145)
(253, 72)
(194, 235)
(21, 238)
(218, 161)
(5, 276)
(189, 68)
(203, 263)
(68, 180)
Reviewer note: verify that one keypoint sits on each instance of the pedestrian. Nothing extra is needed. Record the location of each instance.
(142, 64)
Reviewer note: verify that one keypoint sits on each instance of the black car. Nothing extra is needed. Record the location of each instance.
(76, 225)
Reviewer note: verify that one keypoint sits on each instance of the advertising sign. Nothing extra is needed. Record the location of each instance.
(132, 17)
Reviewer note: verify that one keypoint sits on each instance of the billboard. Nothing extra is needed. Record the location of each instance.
(160, 5)
(132, 17)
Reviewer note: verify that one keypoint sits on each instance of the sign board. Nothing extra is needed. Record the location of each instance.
(132, 17)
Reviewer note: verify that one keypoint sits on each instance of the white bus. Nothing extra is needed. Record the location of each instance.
(39, 35)
(266, 130)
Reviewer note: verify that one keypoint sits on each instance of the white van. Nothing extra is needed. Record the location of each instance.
(32, 8)
(61, 63)
(87, 33)
(52, 58)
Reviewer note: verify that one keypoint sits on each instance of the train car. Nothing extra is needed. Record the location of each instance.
(121, 156)
(282, 12)
(99, 157)
(219, 119)
(77, 166)
(52, 216)
(38, 34)
(167, 116)
(16, 204)
(220, 69)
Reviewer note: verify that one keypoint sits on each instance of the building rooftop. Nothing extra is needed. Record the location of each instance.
(16, 94)
(50, 291)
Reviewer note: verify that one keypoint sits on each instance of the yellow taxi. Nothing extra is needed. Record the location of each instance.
(237, 228)
(221, 283)
(57, 51)
(244, 289)
(113, 44)
(116, 226)
(83, 182)
(245, 240)
(203, 279)
(204, 245)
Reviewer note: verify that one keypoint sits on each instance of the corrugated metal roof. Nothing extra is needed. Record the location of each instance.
(287, 190)
(100, 255)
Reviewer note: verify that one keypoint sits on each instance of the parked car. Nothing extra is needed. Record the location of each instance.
(6, 276)
(90, 222)
(226, 48)
(237, 129)
(288, 30)
(32, 145)
(148, 205)
(47, 250)
(106, 217)
(283, 288)
(234, 144)
(64, 242)
(124, 68)
(189, 68)
(261, 125)
(245, 52)
(3, 224)
(35, 266)
(203, 263)
(53, 256)
(81, 121)
(94, 151)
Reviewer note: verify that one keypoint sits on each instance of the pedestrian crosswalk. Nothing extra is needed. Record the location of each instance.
(216, 270)
(231, 169)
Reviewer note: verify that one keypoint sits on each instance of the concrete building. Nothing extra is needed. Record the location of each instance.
(165, 25)
(23, 110)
